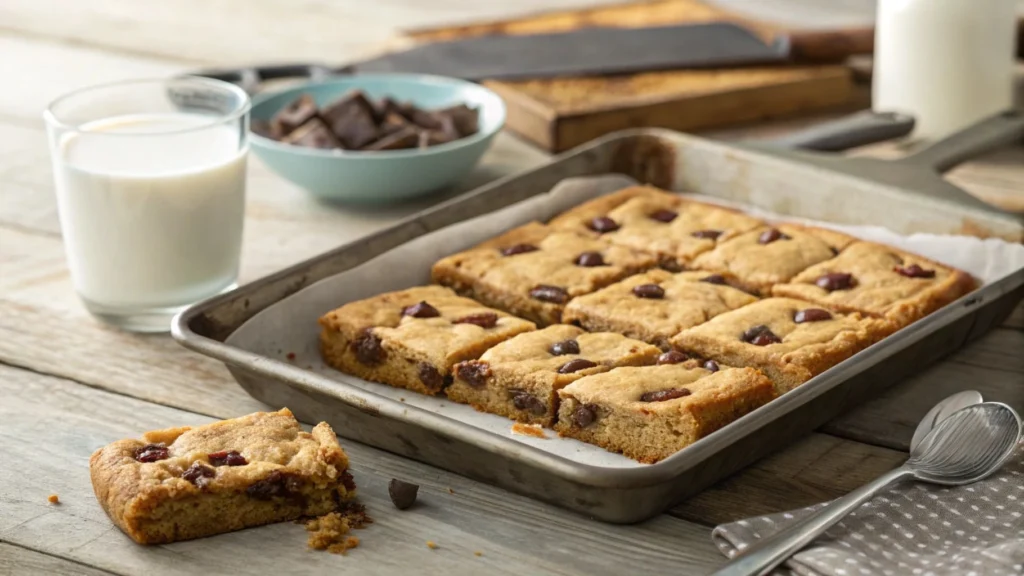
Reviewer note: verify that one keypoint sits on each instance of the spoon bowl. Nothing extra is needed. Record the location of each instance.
(967, 446)
(949, 406)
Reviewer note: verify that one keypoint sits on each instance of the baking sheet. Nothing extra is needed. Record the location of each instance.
(290, 326)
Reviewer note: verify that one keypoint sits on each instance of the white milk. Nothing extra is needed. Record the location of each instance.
(151, 221)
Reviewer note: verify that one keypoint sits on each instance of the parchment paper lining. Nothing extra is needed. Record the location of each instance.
(290, 326)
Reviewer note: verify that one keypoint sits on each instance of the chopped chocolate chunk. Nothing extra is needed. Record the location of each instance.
(475, 373)
(393, 122)
(663, 215)
(525, 401)
(672, 357)
(760, 335)
(590, 259)
(430, 376)
(368, 348)
(565, 347)
(275, 484)
(835, 281)
(430, 138)
(352, 120)
(263, 128)
(575, 365)
(421, 310)
(199, 474)
(603, 224)
(914, 271)
(707, 234)
(584, 415)
(715, 279)
(553, 294)
(483, 319)
(295, 114)
(663, 395)
(313, 134)
(771, 235)
(518, 249)
(152, 453)
(404, 138)
(403, 494)
(711, 365)
(652, 291)
(227, 458)
(811, 315)
(466, 119)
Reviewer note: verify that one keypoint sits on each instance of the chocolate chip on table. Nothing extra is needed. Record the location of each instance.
(707, 234)
(199, 474)
(421, 310)
(403, 494)
(590, 259)
(518, 249)
(227, 458)
(711, 366)
(482, 319)
(771, 235)
(663, 395)
(275, 484)
(584, 415)
(760, 335)
(835, 281)
(474, 372)
(811, 315)
(565, 347)
(525, 401)
(652, 291)
(368, 348)
(914, 271)
(663, 215)
(575, 365)
(603, 224)
(715, 279)
(430, 376)
(546, 293)
(672, 357)
(152, 453)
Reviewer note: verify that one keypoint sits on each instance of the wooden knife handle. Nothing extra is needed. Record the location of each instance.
(830, 46)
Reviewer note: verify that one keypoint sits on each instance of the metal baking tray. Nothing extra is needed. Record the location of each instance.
(906, 196)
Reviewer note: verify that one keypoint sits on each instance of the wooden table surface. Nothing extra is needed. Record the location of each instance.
(69, 385)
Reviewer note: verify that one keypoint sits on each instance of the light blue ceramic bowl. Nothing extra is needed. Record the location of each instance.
(386, 176)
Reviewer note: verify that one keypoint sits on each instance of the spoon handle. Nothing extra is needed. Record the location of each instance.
(771, 552)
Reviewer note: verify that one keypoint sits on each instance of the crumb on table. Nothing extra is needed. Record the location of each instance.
(53, 499)
(291, 355)
(330, 531)
(534, 430)
(478, 553)
(431, 545)
(450, 491)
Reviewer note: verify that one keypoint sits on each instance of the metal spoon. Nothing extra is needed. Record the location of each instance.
(964, 448)
(944, 410)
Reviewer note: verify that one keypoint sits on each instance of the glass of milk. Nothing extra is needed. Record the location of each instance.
(150, 179)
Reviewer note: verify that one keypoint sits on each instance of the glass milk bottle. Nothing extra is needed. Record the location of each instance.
(949, 63)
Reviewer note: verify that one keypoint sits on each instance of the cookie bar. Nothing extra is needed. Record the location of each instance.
(769, 255)
(881, 281)
(520, 377)
(656, 305)
(184, 483)
(534, 270)
(412, 338)
(644, 218)
(651, 412)
(789, 340)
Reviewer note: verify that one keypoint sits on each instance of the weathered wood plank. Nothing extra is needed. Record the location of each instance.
(51, 426)
(15, 560)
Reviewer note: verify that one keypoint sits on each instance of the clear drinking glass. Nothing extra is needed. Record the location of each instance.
(150, 179)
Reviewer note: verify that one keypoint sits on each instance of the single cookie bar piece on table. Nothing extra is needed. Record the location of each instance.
(651, 412)
(789, 340)
(184, 483)
(534, 270)
(673, 227)
(881, 281)
(412, 338)
(656, 305)
(520, 378)
(768, 256)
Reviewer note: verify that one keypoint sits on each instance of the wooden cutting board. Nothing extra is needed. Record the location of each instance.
(557, 114)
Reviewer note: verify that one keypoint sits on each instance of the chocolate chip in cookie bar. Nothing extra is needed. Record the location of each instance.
(520, 377)
(770, 255)
(656, 305)
(649, 413)
(674, 228)
(533, 271)
(412, 338)
(184, 483)
(881, 281)
(790, 340)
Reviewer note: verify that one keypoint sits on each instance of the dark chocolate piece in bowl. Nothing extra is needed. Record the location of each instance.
(352, 120)
(392, 123)
(289, 118)
(434, 137)
(313, 134)
(405, 138)
(467, 120)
